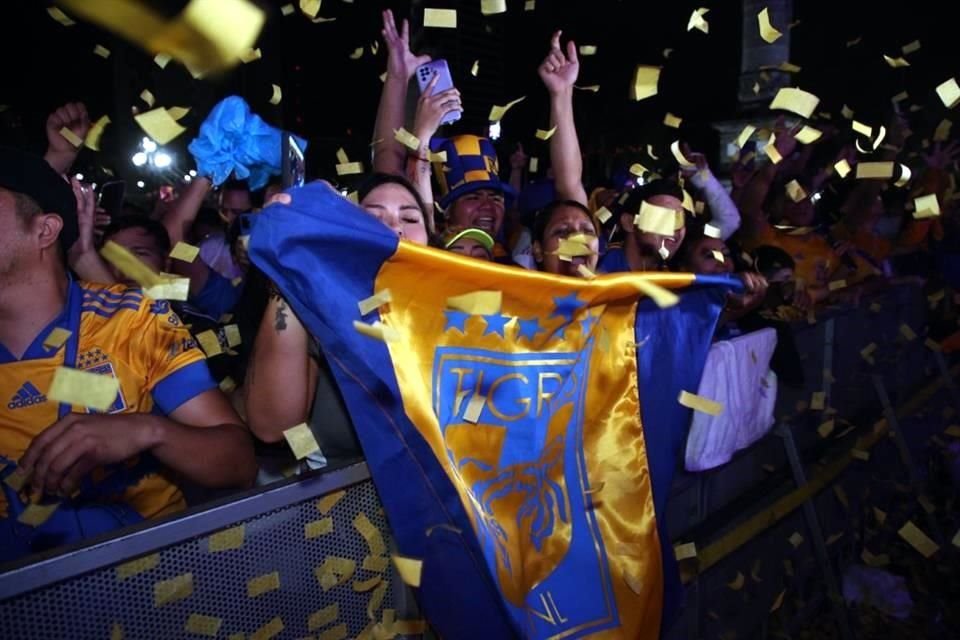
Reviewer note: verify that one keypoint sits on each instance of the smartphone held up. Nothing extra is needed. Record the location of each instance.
(426, 72)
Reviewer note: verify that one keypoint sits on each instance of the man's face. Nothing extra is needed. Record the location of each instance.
(482, 209)
(144, 246)
(14, 239)
(470, 247)
(710, 256)
(233, 203)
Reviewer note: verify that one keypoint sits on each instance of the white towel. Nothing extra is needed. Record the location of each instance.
(738, 376)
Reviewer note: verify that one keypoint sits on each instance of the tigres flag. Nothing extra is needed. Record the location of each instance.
(506, 438)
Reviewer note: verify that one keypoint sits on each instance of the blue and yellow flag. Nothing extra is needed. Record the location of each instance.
(521, 428)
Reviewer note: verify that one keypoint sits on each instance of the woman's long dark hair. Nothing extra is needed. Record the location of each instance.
(375, 180)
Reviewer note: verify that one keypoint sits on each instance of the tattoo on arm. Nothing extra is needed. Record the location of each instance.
(280, 321)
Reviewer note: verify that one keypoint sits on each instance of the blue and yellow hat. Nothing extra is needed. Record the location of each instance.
(471, 165)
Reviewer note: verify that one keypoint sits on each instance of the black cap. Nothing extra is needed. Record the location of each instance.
(31, 176)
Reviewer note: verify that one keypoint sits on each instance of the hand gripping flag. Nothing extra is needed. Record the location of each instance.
(524, 446)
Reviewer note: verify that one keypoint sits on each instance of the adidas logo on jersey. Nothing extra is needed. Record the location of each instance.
(27, 396)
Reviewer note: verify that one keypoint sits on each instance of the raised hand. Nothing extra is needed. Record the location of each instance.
(431, 107)
(559, 71)
(942, 155)
(401, 63)
(73, 116)
(698, 159)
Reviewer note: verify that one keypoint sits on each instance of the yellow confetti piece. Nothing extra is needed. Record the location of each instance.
(474, 408)
(375, 301)
(603, 215)
(440, 156)
(956, 539)
(147, 97)
(699, 403)
(172, 590)
(585, 272)
(880, 515)
(778, 602)
(911, 47)
(116, 631)
(737, 583)
(645, 80)
(288, 9)
(250, 55)
(326, 503)
(362, 586)
(497, 112)
(92, 139)
(529, 5)
(953, 430)
(834, 285)
(310, 8)
(277, 95)
(440, 18)
(377, 330)
(409, 569)
(942, 131)
(407, 139)
(159, 125)
(323, 617)
(334, 571)
(102, 51)
(949, 92)
(905, 176)
(301, 440)
(378, 564)
(318, 528)
(136, 567)
(338, 632)
(478, 303)
(71, 137)
(907, 332)
(210, 343)
(842, 168)
(697, 21)
(202, 625)
(56, 338)
(861, 128)
(370, 533)
(795, 539)
(349, 168)
(795, 191)
(745, 135)
(767, 31)
(228, 385)
(875, 170)
(918, 539)
(896, 63)
(718, 256)
(867, 352)
(711, 231)
(587, 50)
(169, 288)
(926, 503)
(82, 388)
(592, 88)
(771, 150)
(36, 514)
(342, 157)
(931, 344)
(263, 584)
(926, 207)
(185, 252)
(685, 551)
(795, 101)
(410, 627)
(818, 400)
(60, 16)
(545, 135)
(860, 454)
(232, 333)
(661, 297)
(678, 155)
(356, 54)
(177, 112)
(655, 219)
(227, 539)
(269, 630)
(534, 165)
(671, 120)
(871, 560)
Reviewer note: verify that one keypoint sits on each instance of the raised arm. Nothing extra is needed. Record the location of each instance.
(61, 153)
(559, 73)
(82, 256)
(724, 213)
(750, 199)
(178, 220)
(281, 377)
(389, 156)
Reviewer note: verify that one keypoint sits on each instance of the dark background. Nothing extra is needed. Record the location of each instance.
(331, 99)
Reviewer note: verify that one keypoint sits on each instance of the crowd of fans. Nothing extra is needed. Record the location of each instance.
(798, 234)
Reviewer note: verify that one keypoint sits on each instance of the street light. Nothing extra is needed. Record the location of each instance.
(139, 159)
(162, 159)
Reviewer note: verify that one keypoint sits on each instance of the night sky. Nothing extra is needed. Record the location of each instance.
(331, 99)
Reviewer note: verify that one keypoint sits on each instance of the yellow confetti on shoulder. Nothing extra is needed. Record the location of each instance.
(185, 252)
(277, 94)
(699, 403)
(269, 630)
(136, 567)
(172, 590)
(301, 440)
(227, 539)
(326, 503)
(440, 18)
(479, 303)
(410, 569)
(56, 338)
(202, 625)
(645, 81)
(82, 388)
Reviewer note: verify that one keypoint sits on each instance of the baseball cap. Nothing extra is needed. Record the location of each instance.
(453, 235)
(31, 176)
